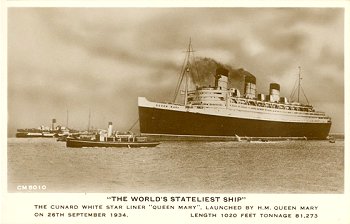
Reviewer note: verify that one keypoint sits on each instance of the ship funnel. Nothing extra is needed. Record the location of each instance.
(221, 78)
(250, 87)
(274, 92)
(110, 129)
(261, 97)
(53, 124)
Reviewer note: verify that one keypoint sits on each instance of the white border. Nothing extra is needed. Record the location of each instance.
(16, 206)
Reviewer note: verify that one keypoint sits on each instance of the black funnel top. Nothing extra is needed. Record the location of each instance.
(274, 86)
(250, 79)
(221, 71)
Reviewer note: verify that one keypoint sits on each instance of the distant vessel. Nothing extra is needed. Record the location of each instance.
(110, 139)
(30, 133)
(42, 131)
(221, 112)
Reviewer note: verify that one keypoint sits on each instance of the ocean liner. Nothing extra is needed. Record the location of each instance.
(218, 111)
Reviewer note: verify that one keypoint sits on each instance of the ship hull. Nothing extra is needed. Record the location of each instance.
(162, 122)
(75, 143)
(34, 135)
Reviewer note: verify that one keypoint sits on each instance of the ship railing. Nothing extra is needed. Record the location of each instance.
(124, 138)
(256, 101)
(270, 105)
(130, 138)
(211, 104)
(282, 111)
(141, 139)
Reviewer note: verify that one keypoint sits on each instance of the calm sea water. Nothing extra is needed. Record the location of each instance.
(210, 167)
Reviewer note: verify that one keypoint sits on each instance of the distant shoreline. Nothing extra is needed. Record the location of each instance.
(339, 136)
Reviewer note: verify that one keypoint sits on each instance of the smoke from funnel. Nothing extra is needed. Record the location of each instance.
(204, 69)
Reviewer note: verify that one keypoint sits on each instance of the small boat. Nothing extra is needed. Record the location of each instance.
(332, 140)
(110, 139)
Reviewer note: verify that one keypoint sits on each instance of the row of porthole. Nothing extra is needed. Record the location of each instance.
(288, 113)
(275, 110)
(266, 110)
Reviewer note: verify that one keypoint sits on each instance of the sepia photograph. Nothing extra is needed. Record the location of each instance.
(217, 100)
(194, 114)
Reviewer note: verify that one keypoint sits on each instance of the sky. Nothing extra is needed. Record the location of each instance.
(100, 60)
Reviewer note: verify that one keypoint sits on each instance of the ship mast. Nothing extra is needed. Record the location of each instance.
(89, 120)
(299, 80)
(186, 85)
(185, 72)
(299, 88)
(67, 120)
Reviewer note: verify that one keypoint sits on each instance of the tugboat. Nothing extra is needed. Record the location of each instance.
(109, 139)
